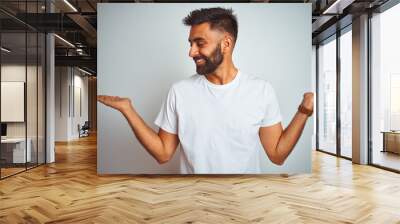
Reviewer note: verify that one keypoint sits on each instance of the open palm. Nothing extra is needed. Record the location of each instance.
(116, 102)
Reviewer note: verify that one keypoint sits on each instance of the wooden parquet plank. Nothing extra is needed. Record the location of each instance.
(70, 191)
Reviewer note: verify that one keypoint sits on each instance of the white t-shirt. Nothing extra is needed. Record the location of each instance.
(218, 125)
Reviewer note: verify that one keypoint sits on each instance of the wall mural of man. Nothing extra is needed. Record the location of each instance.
(220, 115)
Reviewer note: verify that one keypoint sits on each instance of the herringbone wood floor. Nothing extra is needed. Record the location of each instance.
(70, 191)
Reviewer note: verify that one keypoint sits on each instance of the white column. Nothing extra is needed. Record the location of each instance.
(50, 98)
(50, 110)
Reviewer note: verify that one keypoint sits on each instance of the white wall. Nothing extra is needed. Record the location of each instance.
(61, 103)
(79, 117)
(12, 73)
(143, 49)
(15, 72)
(68, 83)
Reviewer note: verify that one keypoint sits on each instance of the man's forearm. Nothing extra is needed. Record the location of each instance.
(146, 135)
(291, 135)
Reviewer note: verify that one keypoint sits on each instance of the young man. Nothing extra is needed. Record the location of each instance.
(220, 116)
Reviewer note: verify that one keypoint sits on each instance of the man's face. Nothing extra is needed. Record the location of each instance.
(205, 48)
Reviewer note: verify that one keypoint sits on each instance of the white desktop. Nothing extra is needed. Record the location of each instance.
(16, 145)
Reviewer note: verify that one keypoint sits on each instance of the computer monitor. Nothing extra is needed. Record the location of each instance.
(3, 129)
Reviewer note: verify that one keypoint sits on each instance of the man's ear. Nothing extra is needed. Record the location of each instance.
(227, 43)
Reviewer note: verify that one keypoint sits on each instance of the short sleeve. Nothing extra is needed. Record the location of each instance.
(272, 111)
(167, 118)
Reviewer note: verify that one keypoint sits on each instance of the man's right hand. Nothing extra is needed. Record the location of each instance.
(161, 145)
(116, 102)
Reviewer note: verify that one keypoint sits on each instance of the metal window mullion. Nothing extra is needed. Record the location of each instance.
(60, 75)
(317, 95)
(369, 89)
(338, 98)
(37, 91)
(69, 92)
(45, 94)
(26, 87)
(72, 92)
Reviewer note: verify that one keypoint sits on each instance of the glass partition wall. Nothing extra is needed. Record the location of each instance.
(13, 88)
(327, 95)
(334, 94)
(385, 89)
(334, 126)
(345, 61)
(22, 88)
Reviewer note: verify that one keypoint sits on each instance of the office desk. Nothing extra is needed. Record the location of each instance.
(391, 141)
(15, 148)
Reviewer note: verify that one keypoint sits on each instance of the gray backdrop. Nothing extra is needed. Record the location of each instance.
(143, 49)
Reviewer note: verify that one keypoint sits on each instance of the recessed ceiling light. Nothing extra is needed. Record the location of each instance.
(338, 6)
(84, 71)
(70, 5)
(64, 40)
(5, 50)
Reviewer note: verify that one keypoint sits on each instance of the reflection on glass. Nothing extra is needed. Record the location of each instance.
(22, 90)
(346, 94)
(386, 89)
(327, 96)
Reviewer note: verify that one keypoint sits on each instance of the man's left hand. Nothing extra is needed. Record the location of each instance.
(308, 101)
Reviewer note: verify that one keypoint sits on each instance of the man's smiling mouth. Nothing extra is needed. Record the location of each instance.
(199, 61)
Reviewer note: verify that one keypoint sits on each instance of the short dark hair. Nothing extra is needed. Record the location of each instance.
(218, 18)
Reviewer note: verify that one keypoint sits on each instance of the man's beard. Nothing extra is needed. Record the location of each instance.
(211, 63)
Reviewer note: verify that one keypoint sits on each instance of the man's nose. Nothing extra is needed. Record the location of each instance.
(193, 52)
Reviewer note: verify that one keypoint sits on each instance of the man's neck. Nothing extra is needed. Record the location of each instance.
(223, 75)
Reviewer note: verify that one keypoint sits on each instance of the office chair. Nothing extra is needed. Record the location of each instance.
(84, 130)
